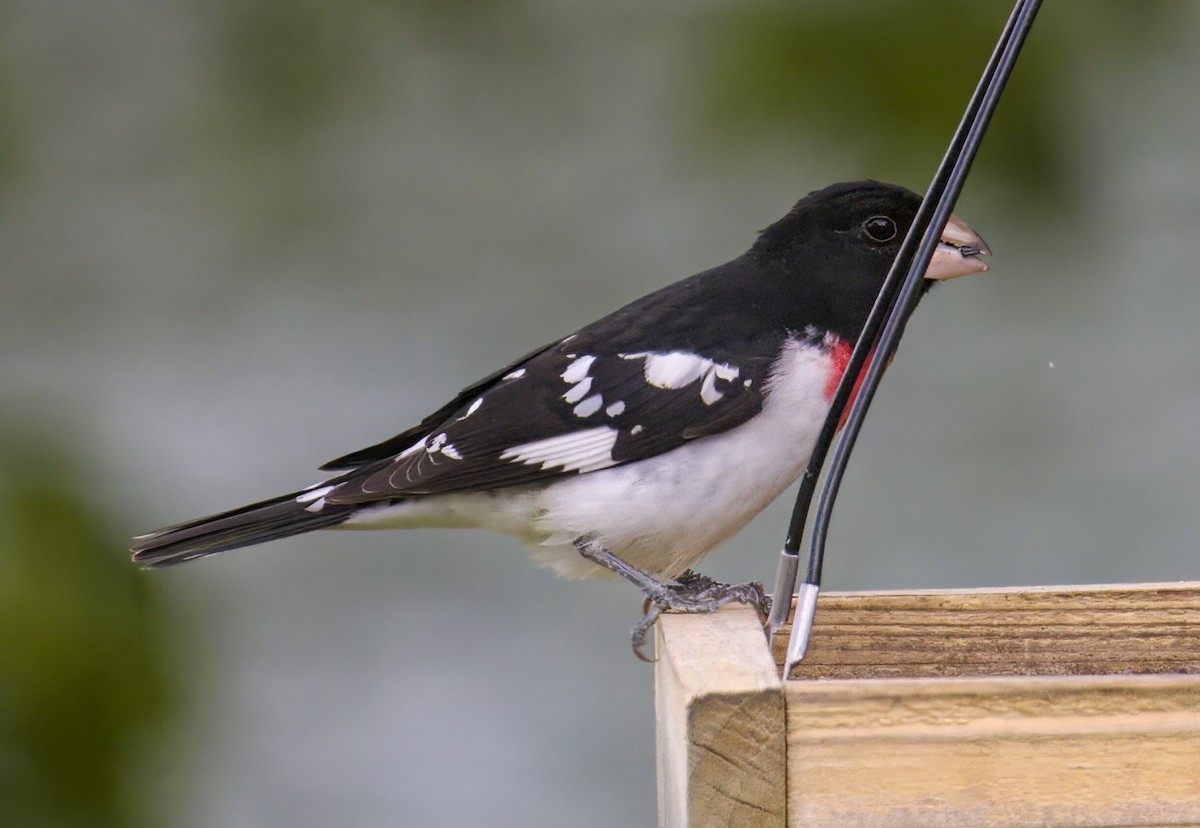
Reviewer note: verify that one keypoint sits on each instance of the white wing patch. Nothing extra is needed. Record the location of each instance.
(314, 493)
(580, 381)
(578, 369)
(589, 406)
(441, 445)
(413, 449)
(708, 389)
(581, 451)
(314, 496)
(679, 369)
(578, 391)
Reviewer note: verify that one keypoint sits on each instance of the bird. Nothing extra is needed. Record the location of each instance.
(643, 440)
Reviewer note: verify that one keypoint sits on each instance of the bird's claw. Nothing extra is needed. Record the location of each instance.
(693, 592)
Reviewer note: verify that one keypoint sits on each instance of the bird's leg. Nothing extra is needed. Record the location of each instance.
(691, 591)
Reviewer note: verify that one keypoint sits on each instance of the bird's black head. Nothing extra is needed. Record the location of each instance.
(834, 248)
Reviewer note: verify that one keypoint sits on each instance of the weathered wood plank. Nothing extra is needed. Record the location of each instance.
(1038, 706)
(720, 722)
(1019, 750)
(1029, 706)
(1022, 631)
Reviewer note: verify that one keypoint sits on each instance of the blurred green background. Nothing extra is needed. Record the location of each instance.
(242, 237)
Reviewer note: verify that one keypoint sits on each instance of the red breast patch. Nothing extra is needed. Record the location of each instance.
(839, 358)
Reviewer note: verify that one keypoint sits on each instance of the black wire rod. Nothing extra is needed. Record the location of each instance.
(895, 303)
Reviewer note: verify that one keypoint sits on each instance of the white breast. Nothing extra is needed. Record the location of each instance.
(664, 513)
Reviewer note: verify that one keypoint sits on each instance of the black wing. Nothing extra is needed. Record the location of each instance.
(567, 409)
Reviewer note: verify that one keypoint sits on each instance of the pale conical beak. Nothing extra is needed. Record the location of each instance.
(958, 253)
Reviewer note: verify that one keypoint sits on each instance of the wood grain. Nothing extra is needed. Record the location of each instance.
(1057, 750)
(720, 722)
(1100, 630)
(1075, 706)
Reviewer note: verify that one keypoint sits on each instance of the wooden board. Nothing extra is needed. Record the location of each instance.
(1058, 750)
(1035, 631)
(720, 721)
(1032, 706)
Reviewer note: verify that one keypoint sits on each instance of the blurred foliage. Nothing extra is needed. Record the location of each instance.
(883, 82)
(8, 126)
(887, 81)
(83, 681)
(286, 60)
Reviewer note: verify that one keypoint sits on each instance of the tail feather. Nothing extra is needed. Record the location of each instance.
(278, 517)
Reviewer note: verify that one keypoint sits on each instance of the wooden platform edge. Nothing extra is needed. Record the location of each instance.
(1022, 706)
(1032, 631)
(720, 721)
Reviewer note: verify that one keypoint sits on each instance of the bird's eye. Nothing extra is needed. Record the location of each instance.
(880, 228)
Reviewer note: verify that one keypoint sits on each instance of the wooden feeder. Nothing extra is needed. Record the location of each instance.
(1034, 706)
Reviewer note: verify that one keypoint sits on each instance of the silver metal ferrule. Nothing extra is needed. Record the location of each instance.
(802, 623)
(781, 598)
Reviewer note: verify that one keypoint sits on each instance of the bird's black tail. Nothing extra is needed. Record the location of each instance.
(279, 517)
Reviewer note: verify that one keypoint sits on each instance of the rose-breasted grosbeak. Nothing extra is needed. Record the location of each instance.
(643, 440)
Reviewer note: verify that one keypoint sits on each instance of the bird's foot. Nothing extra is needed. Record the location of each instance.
(690, 592)
(693, 592)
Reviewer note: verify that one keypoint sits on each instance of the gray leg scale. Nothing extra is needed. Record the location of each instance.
(691, 592)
